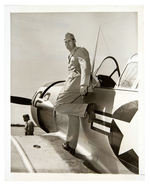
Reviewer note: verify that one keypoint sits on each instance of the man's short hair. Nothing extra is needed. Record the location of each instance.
(26, 116)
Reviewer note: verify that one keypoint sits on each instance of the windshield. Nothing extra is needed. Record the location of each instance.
(129, 76)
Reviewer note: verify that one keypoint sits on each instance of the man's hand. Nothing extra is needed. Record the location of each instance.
(83, 90)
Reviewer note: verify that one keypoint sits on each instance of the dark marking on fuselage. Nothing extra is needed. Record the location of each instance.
(124, 113)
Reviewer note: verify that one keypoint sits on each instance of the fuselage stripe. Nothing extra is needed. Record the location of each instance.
(109, 116)
(103, 113)
(103, 128)
(99, 130)
(103, 123)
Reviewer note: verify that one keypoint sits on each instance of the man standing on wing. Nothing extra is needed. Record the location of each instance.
(70, 99)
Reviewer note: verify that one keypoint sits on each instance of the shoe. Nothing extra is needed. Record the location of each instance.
(91, 112)
(68, 148)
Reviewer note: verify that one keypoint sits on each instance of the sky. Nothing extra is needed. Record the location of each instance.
(38, 53)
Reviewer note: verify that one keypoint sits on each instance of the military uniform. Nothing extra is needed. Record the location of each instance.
(70, 100)
(79, 69)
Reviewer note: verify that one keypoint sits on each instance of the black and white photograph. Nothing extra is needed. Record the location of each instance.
(75, 90)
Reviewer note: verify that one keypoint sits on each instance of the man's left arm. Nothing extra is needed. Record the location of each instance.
(26, 126)
(84, 61)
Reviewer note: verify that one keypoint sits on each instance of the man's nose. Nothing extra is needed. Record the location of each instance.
(66, 44)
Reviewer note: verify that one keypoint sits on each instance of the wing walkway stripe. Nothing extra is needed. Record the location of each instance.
(23, 155)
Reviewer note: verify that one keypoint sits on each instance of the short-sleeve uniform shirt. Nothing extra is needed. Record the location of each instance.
(79, 69)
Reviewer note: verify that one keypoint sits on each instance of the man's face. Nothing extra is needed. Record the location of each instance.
(70, 44)
(26, 119)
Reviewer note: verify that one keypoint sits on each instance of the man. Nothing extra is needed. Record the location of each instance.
(70, 99)
(29, 126)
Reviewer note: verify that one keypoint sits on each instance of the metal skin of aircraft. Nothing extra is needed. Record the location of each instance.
(110, 142)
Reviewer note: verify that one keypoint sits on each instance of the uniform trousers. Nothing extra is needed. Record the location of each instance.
(71, 103)
(73, 131)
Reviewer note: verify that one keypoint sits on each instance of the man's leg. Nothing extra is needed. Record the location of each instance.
(70, 103)
(73, 131)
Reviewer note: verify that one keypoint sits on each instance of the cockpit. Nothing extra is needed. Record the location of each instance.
(112, 78)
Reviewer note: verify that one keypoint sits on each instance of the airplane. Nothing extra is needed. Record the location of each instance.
(110, 142)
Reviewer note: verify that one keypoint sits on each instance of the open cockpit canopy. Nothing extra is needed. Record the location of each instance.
(129, 77)
(108, 72)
